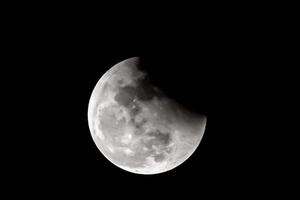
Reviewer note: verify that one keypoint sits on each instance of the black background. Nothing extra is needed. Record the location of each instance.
(216, 65)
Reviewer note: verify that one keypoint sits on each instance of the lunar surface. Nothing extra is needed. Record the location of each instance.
(136, 126)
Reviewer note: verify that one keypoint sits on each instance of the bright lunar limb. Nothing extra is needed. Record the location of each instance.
(138, 128)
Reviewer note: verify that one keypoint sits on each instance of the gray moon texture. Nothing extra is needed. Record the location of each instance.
(136, 126)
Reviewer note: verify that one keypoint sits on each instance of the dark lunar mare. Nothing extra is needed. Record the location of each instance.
(144, 91)
(159, 137)
(125, 95)
(159, 157)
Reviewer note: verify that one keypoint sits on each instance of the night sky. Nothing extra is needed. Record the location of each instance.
(217, 71)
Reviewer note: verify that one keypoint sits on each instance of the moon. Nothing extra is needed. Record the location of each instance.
(136, 126)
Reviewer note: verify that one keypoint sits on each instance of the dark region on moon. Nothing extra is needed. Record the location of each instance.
(159, 137)
(125, 95)
(142, 92)
(159, 157)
